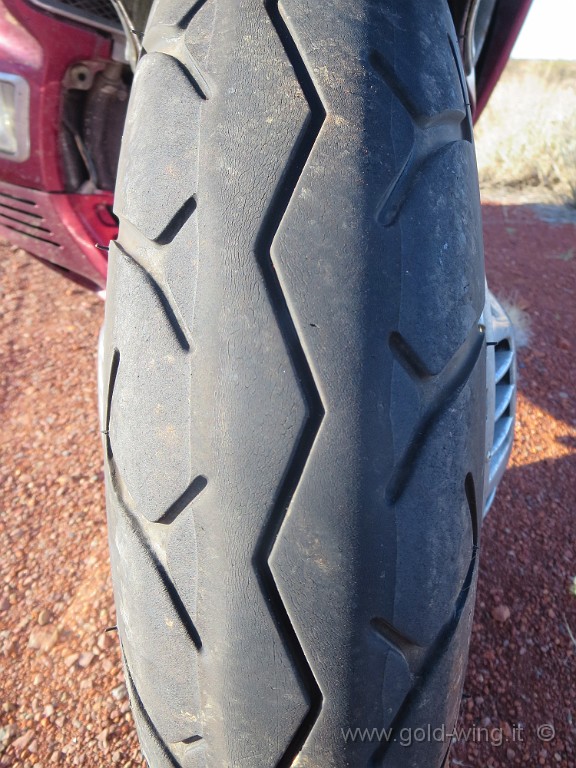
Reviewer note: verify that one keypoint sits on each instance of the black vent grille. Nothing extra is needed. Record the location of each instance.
(102, 9)
(98, 13)
(22, 216)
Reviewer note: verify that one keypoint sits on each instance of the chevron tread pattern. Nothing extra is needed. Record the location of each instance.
(157, 257)
(149, 255)
(315, 407)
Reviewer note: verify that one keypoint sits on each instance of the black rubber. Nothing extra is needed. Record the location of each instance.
(296, 404)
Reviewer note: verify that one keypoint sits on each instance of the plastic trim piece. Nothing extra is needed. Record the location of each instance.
(501, 394)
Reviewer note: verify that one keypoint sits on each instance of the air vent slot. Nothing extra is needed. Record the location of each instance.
(22, 216)
(504, 357)
(502, 430)
(504, 385)
(504, 394)
(14, 199)
(30, 225)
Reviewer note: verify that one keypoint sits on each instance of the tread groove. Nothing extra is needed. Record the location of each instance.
(431, 136)
(194, 489)
(116, 483)
(395, 639)
(169, 306)
(196, 80)
(463, 86)
(189, 15)
(171, 590)
(111, 384)
(380, 65)
(139, 706)
(191, 740)
(414, 366)
(473, 507)
(446, 386)
(176, 49)
(177, 222)
(286, 324)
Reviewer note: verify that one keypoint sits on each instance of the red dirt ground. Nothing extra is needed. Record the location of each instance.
(61, 691)
(521, 675)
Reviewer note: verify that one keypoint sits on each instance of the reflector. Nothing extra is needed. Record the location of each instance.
(8, 141)
(14, 109)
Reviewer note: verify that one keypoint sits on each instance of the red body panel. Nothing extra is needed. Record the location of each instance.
(510, 15)
(62, 228)
(59, 228)
(41, 48)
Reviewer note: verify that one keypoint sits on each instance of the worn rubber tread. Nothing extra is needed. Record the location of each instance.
(291, 480)
(156, 749)
(432, 133)
(152, 556)
(373, 629)
(165, 299)
(444, 387)
(440, 645)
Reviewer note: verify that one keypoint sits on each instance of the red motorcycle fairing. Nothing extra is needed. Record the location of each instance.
(36, 213)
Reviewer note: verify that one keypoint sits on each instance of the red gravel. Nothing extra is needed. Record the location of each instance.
(522, 670)
(61, 691)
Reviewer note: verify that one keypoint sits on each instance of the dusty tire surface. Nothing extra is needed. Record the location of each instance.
(295, 412)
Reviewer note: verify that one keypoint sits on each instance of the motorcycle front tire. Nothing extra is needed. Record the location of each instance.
(296, 386)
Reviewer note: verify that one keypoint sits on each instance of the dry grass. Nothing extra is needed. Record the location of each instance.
(516, 308)
(526, 138)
